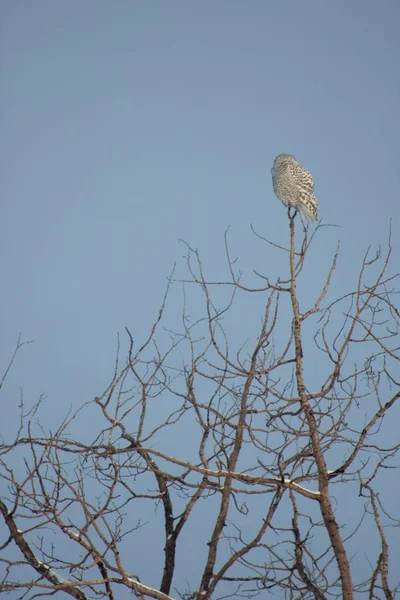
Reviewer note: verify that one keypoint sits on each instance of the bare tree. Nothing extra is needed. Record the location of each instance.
(219, 467)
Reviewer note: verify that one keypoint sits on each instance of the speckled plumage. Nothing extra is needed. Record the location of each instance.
(294, 186)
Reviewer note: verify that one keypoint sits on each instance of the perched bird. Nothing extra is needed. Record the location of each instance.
(294, 186)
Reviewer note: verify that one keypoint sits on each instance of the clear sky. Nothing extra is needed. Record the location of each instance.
(127, 125)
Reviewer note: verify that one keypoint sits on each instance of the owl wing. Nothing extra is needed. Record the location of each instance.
(303, 179)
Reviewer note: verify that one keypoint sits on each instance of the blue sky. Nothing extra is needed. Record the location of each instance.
(128, 125)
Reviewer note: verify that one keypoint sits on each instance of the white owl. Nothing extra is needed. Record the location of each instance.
(294, 186)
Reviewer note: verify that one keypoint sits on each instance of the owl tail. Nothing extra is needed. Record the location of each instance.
(308, 210)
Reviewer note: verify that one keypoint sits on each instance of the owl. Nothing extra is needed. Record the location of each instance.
(294, 186)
